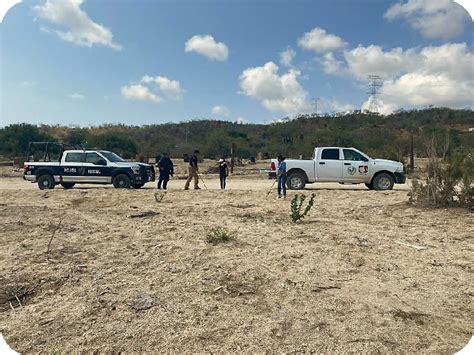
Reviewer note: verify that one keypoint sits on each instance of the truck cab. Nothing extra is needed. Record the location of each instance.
(345, 166)
(87, 166)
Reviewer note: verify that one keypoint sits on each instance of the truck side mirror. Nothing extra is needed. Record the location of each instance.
(100, 162)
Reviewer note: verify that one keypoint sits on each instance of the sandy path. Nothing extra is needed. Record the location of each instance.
(212, 183)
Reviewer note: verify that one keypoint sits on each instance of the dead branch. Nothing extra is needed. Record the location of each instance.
(144, 214)
(55, 229)
(18, 300)
(417, 247)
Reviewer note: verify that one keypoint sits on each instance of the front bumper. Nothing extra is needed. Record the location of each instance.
(400, 178)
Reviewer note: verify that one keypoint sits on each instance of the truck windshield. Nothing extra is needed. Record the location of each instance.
(112, 157)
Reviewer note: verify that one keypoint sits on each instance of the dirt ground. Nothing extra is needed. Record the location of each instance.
(339, 281)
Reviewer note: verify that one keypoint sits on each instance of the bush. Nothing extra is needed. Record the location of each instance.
(448, 182)
(296, 207)
(117, 142)
(219, 235)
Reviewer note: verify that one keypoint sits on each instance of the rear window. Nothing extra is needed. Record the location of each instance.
(330, 154)
(75, 157)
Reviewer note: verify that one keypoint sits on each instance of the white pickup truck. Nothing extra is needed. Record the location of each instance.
(342, 165)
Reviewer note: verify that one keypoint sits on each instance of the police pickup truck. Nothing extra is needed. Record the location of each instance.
(87, 167)
(342, 165)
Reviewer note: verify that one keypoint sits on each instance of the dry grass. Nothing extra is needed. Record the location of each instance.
(336, 282)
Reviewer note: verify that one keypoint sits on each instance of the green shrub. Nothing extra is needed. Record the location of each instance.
(297, 205)
(219, 235)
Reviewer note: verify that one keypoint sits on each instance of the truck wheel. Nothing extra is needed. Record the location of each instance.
(121, 181)
(68, 185)
(137, 186)
(46, 182)
(296, 181)
(383, 182)
(370, 186)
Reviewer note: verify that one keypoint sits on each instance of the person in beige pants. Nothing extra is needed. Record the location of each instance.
(193, 171)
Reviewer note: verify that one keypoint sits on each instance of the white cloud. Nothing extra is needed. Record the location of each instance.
(276, 93)
(332, 66)
(363, 61)
(320, 41)
(416, 89)
(221, 111)
(333, 105)
(435, 19)
(287, 56)
(436, 75)
(241, 120)
(139, 92)
(151, 88)
(77, 96)
(208, 47)
(79, 27)
(170, 88)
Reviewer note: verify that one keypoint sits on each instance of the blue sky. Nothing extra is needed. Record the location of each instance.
(88, 62)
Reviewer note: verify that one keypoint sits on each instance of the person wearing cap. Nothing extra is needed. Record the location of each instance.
(223, 172)
(193, 171)
(281, 176)
(165, 166)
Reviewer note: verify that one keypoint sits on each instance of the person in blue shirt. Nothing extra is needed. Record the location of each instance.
(281, 176)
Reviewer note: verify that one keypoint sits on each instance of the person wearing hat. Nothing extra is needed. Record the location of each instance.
(165, 166)
(193, 171)
(281, 176)
(223, 172)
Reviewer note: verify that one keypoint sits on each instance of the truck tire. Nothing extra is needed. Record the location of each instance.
(370, 186)
(122, 181)
(296, 181)
(383, 182)
(46, 182)
(137, 186)
(68, 185)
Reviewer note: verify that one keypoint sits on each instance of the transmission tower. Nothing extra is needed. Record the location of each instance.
(375, 82)
(315, 103)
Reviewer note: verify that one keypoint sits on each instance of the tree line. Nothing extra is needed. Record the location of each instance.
(380, 136)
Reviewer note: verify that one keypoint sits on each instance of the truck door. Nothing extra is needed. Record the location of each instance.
(96, 169)
(356, 166)
(329, 165)
(72, 167)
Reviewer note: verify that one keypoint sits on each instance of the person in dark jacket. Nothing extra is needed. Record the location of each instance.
(223, 172)
(281, 176)
(165, 166)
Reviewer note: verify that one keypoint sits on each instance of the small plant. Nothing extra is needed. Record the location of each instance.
(297, 205)
(219, 235)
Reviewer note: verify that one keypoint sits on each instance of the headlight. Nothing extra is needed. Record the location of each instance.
(136, 170)
(400, 169)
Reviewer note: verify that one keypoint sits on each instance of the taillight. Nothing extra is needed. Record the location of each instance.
(26, 168)
(272, 166)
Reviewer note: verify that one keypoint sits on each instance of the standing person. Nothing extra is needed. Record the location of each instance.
(223, 172)
(193, 171)
(281, 176)
(165, 166)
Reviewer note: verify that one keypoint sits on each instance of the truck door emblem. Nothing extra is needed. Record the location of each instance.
(351, 170)
(363, 169)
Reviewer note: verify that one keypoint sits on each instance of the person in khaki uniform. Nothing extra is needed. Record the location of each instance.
(193, 171)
